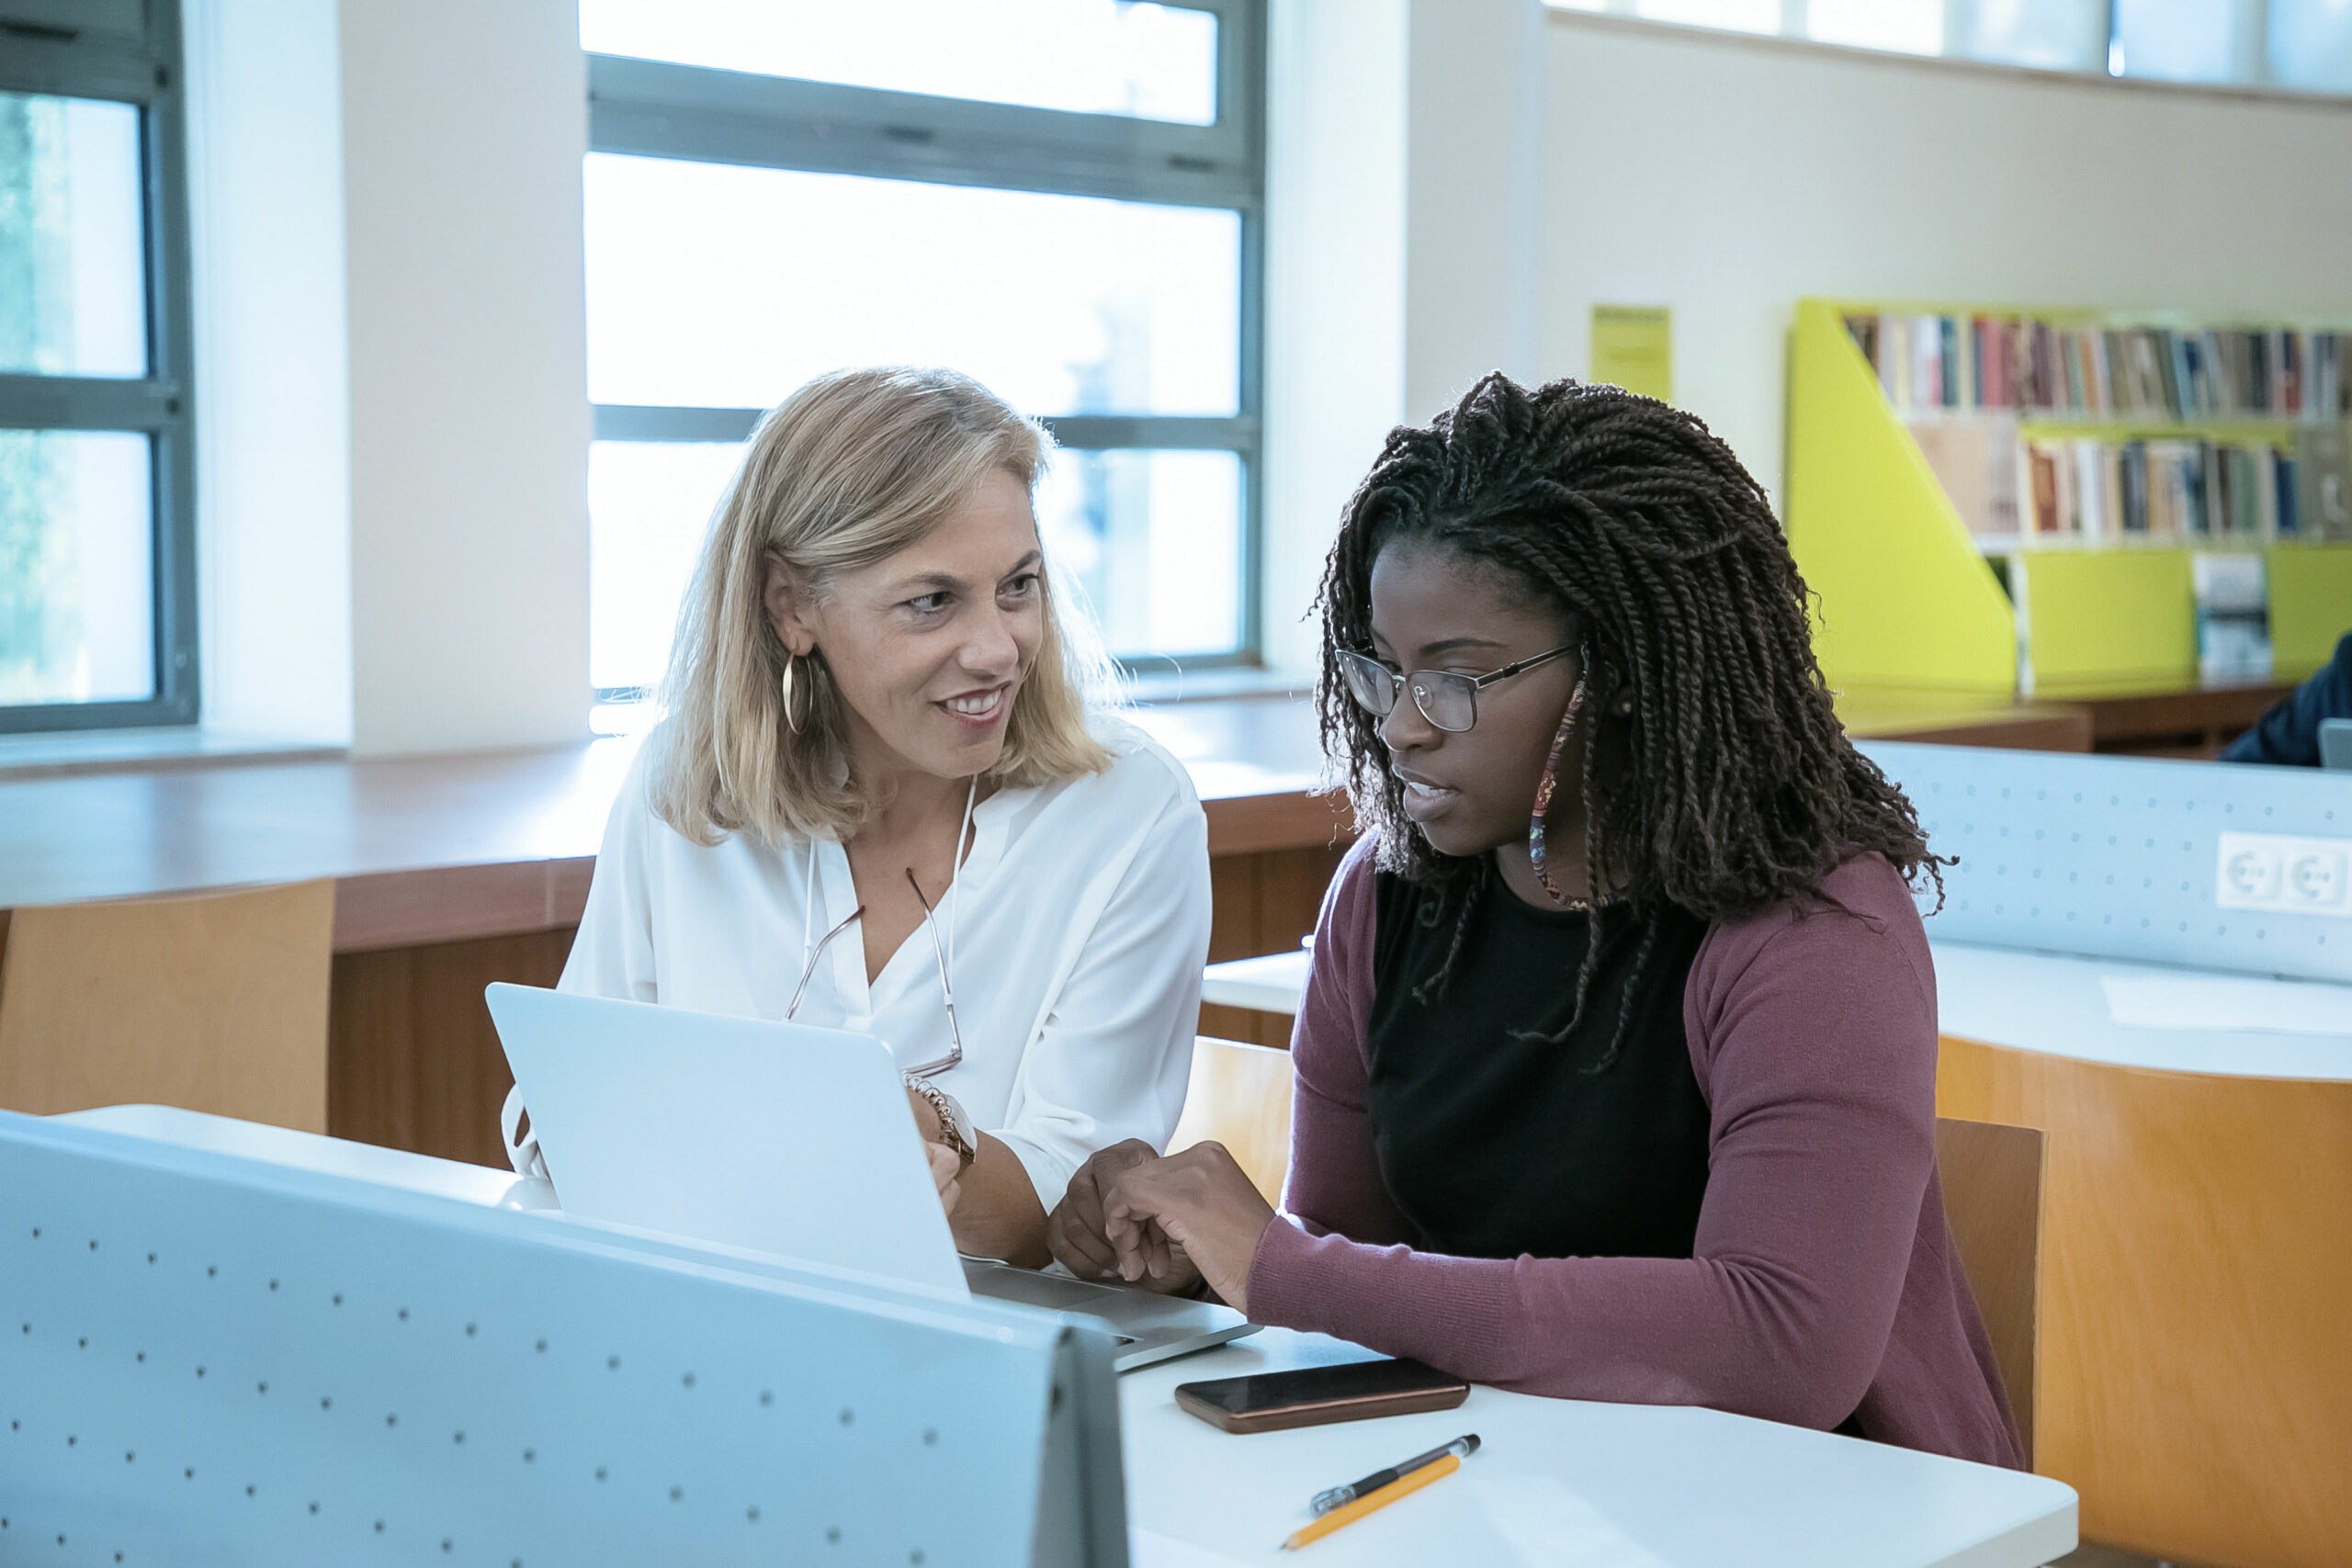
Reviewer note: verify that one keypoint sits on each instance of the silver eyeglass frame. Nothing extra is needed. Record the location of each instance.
(1422, 681)
(954, 1056)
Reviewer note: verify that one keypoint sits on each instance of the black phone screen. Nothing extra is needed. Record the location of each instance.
(1261, 1391)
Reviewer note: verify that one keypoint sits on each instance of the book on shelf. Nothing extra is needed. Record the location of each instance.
(2094, 371)
(2036, 486)
(2233, 609)
(2321, 484)
(1975, 461)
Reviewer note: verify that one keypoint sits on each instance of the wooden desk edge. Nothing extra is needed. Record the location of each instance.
(2041, 728)
(458, 903)
(416, 906)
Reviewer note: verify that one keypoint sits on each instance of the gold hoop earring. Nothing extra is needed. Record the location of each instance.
(791, 710)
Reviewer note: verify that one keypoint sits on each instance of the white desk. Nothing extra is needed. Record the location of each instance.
(1558, 1481)
(2053, 1003)
(1271, 984)
(1564, 1482)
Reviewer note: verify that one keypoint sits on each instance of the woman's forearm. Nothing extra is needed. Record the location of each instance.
(998, 1215)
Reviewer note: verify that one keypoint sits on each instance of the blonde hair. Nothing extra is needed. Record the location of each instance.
(847, 471)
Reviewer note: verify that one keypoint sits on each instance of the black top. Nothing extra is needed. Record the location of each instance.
(1496, 1139)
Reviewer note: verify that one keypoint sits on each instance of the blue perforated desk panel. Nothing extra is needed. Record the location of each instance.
(205, 1359)
(2114, 857)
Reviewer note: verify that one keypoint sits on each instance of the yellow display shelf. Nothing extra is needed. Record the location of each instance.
(1904, 596)
(2311, 606)
(2097, 621)
(1907, 597)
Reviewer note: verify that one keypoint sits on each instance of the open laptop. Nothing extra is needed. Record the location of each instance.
(780, 1138)
(2336, 744)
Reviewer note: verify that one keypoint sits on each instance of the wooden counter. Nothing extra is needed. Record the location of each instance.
(2195, 721)
(453, 872)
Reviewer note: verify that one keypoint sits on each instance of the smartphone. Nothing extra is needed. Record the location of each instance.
(1310, 1396)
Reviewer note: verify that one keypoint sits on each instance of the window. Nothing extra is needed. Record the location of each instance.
(2174, 40)
(97, 581)
(1909, 27)
(1061, 197)
(2311, 44)
(2299, 45)
(2047, 35)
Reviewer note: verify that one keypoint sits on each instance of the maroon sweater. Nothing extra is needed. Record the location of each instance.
(1824, 1281)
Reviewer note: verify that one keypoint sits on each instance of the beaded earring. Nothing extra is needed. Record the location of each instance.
(1543, 789)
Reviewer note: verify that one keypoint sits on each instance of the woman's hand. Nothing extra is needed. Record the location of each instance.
(1074, 1233)
(926, 1118)
(946, 1169)
(1197, 1204)
(947, 1165)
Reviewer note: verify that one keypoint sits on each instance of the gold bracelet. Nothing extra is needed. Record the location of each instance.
(949, 1133)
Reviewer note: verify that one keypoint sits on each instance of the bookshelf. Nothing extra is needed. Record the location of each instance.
(1928, 511)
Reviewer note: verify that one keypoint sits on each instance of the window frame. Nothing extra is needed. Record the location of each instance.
(144, 69)
(660, 109)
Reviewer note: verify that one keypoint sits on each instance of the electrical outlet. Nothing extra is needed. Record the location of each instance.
(2273, 871)
(2316, 879)
(2250, 872)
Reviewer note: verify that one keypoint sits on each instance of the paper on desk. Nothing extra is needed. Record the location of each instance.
(2206, 1001)
(1150, 1548)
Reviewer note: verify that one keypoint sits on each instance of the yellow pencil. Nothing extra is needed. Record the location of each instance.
(1403, 1487)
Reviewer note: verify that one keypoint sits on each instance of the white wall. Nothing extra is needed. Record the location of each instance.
(1335, 286)
(273, 405)
(1404, 252)
(1729, 178)
(394, 408)
(1473, 192)
(464, 125)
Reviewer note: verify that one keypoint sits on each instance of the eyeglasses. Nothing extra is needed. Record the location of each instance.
(1448, 701)
(954, 1056)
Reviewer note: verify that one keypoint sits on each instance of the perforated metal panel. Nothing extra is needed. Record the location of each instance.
(2114, 857)
(204, 1359)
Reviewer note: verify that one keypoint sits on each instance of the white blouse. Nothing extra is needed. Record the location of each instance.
(1077, 931)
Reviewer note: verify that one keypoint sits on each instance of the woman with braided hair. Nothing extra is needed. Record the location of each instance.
(1616, 1072)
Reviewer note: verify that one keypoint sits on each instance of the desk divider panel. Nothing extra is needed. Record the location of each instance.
(2116, 857)
(205, 1359)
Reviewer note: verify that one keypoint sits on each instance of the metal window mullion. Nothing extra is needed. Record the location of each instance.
(75, 402)
(1173, 433)
(1252, 393)
(655, 109)
(632, 421)
(1157, 433)
(79, 70)
(172, 364)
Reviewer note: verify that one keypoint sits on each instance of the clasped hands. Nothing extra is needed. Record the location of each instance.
(1163, 1224)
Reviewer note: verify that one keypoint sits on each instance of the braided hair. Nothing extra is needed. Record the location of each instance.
(1730, 787)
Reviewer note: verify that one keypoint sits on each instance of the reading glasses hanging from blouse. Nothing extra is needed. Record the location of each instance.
(939, 946)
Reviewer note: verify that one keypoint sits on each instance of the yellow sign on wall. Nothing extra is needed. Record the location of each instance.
(1633, 347)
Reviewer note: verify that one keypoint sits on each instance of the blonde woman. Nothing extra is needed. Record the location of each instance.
(880, 802)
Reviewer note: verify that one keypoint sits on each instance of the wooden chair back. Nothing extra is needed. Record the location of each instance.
(215, 1003)
(1992, 1178)
(1240, 1097)
(2194, 1385)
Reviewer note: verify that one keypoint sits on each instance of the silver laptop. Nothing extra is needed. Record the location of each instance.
(2336, 744)
(777, 1138)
